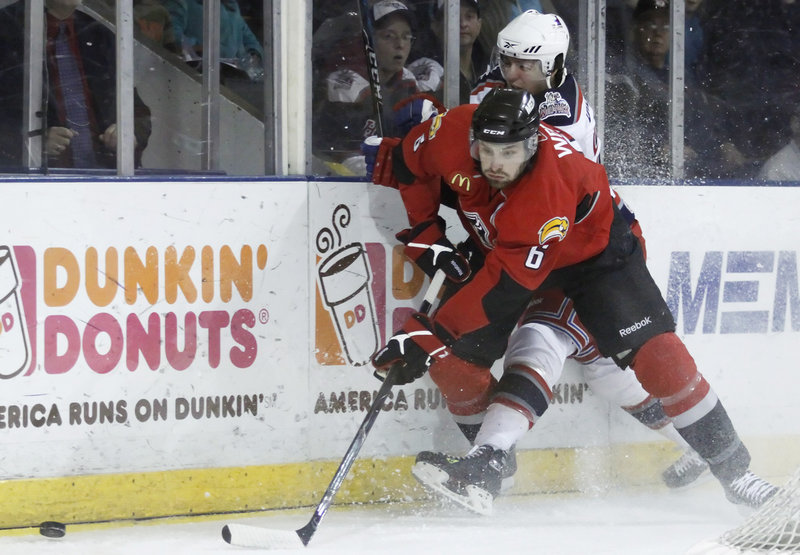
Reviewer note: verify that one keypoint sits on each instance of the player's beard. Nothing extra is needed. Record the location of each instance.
(495, 184)
(501, 180)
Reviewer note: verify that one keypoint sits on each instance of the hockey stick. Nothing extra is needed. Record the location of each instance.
(372, 62)
(254, 536)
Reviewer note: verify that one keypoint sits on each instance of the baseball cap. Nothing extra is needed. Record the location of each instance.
(644, 7)
(464, 4)
(385, 8)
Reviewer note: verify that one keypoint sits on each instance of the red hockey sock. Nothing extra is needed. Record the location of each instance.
(465, 386)
(667, 370)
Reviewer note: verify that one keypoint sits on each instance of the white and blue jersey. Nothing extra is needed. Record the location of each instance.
(564, 107)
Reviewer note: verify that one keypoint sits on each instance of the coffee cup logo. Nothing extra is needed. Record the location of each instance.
(14, 346)
(344, 279)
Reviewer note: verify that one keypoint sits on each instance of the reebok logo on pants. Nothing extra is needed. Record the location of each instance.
(637, 326)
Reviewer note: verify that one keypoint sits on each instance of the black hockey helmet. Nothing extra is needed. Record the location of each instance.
(505, 116)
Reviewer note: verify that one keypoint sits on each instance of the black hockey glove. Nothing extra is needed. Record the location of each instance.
(473, 253)
(475, 257)
(410, 351)
(428, 247)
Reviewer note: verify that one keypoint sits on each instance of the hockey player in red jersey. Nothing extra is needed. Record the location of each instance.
(530, 54)
(548, 220)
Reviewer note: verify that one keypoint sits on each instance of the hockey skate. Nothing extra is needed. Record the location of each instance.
(749, 490)
(686, 470)
(507, 473)
(471, 481)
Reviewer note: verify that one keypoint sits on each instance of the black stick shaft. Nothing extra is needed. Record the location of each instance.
(308, 530)
(367, 31)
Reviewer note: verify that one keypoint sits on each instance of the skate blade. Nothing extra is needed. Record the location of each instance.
(477, 500)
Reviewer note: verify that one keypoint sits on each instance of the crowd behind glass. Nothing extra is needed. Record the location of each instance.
(741, 78)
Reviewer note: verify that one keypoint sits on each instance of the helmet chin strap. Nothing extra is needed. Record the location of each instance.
(556, 78)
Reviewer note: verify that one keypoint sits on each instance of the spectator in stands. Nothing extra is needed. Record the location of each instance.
(638, 115)
(473, 58)
(618, 22)
(80, 58)
(343, 113)
(155, 23)
(394, 34)
(784, 165)
(752, 62)
(238, 44)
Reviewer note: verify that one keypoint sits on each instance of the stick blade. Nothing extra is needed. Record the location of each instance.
(307, 531)
(243, 535)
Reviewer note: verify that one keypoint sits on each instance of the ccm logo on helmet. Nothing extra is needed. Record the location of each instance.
(494, 131)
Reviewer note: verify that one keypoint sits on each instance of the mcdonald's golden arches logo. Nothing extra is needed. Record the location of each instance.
(461, 181)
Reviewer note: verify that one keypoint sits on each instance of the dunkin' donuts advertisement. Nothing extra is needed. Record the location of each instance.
(158, 326)
(364, 289)
(146, 326)
(149, 326)
(15, 349)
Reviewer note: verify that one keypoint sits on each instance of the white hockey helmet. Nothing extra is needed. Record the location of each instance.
(537, 36)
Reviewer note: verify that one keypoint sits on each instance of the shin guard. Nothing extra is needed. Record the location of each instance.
(667, 371)
(715, 439)
(523, 389)
(466, 387)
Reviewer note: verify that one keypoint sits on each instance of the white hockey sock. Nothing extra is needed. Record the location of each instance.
(502, 427)
(672, 434)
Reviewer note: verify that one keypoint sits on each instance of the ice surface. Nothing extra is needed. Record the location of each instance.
(652, 521)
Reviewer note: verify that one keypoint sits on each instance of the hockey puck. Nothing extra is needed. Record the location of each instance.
(52, 529)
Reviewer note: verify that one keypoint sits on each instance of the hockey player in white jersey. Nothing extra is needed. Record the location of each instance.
(530, 54)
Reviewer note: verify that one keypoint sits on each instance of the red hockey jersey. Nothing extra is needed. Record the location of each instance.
(557, 214)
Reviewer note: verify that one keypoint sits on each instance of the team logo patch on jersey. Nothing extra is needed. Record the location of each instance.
(554, 105)
(481, 229)
(554, 228)
(435, 125)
